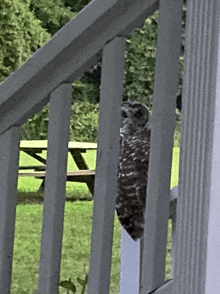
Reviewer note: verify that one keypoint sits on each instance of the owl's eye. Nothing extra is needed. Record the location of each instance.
(138, 114)
(124, 114)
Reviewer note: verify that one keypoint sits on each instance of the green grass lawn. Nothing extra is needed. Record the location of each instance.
(77, 232)
(76, 246)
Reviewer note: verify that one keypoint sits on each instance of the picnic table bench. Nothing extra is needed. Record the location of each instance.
(35, 147)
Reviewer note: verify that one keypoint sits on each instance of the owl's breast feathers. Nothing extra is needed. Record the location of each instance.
(132, 181)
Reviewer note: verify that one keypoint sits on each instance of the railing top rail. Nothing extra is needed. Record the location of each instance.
(69, 53)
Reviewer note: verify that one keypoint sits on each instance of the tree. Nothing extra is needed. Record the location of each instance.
(139, 68)
(53, 14)
(140, 62)
(76, 5)
(21, 35)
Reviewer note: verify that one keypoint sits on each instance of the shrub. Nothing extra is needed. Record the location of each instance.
(21, 35)
(83, 126)
(84, 122)
(36, 128)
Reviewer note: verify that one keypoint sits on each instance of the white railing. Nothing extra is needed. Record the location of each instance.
(100, 31)
(48, 76)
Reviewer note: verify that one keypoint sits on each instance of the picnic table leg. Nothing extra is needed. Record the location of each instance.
(36, 156)
(81, 164)
(90, 184)
(41, 188)
(41, 159)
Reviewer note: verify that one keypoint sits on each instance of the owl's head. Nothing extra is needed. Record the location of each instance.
(135, 117)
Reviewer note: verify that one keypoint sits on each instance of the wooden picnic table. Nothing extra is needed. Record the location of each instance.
(35, 147)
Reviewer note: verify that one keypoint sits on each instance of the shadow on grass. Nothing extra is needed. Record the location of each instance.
(25, 197)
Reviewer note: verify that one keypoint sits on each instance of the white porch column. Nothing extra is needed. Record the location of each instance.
(197, 262)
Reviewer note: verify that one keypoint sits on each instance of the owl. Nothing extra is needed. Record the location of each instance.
(133, 167)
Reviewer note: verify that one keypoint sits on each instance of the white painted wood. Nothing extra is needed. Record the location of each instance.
(163, 124)
(107, 165)
(130, 264)
(9, 162)
(55, 189)
(213, 251)
(167, 288)
(71, 51)
(197, 263)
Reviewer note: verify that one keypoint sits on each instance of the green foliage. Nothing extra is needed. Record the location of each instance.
(84, 123)
(69, 285)
(21, 35)
(36, 128)
(76, 5)
(86, 90)
(83, 283)
(52, 13)
(140, 62)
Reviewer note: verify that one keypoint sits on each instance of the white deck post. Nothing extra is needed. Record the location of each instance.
(55, 189)
(163, 124)
(107, 165)
(130, 264)
(9, 164)
(197, 262)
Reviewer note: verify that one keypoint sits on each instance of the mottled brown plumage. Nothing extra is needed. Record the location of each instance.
(133, 167)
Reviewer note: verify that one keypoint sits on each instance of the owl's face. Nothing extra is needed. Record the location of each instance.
(134, 116)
